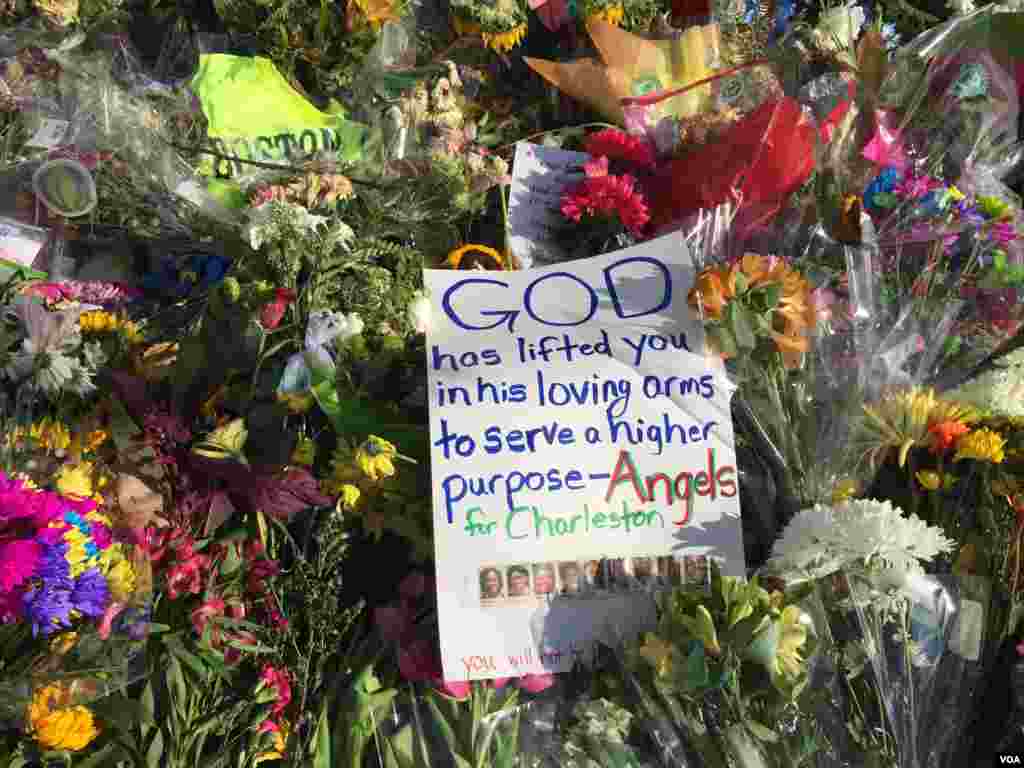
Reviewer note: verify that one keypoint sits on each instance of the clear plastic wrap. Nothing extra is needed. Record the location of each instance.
(721, 679)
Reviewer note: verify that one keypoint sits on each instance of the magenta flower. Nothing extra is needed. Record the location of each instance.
(18, 560)
(1002, 232)
(456, 689)
(917, 186)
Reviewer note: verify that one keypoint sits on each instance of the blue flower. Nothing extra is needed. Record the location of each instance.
(90, 595)
(883, 184)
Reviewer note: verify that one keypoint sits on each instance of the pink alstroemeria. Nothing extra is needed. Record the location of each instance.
(886, 147)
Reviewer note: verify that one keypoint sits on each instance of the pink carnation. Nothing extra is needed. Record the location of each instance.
(603, 194)
(18, 560)
(617, 145)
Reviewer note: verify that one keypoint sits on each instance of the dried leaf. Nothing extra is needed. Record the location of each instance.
(139, 504)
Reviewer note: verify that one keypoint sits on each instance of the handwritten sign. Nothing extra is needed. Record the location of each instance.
(539, 176)
(582, 455)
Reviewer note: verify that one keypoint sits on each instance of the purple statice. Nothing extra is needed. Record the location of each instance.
(969, 214)
(90, 595)
(48, 605)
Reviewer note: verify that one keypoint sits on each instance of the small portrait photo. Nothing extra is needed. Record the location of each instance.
(543, 579)
(695, 571)
(492, 585)
(645, 571)
(518, 577)
(671, 571)
(570, 577)
(594, 575)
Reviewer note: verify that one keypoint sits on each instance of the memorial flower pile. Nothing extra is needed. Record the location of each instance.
(309, 459)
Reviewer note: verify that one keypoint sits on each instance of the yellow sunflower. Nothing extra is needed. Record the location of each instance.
(502, 42)
(610, 14)
(473, 256)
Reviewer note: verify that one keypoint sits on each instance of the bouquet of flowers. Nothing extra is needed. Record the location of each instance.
(718, 683)
(74, 606)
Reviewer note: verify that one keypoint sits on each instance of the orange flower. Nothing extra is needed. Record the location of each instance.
(945, 434)
(755, 267)
(710, 294)
(791, 347)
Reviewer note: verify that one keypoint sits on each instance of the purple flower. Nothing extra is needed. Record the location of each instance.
(90, 595)
(48, 606)
(53, 564)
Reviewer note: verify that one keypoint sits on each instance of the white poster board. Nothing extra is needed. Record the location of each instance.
(582, 455)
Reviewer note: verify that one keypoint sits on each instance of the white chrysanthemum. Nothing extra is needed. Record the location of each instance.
(420, 313)
(276, 220)
(857, 533)
(1000, 390)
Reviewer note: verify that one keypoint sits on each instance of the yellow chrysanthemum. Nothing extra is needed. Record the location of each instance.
(348, 496)
(375, 458)
(474, 256)
(76, 480)
(929, 479)
(98, 321)
(611, 14)
(981, 445)
(56, 724)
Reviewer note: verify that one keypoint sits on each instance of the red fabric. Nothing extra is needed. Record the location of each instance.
(760, 161)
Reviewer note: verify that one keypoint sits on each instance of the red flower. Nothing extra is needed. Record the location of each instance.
(271, 314)
(201, 617)
(617, 145)
(187, 576)
(602, 194)
(258, 572)
(944, 435)
(280, 682)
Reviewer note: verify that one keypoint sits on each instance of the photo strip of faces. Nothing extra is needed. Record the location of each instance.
(592, 578)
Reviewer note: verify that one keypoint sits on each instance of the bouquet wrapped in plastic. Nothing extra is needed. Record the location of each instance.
(719, 682)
